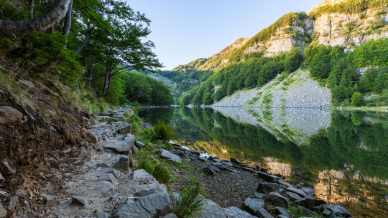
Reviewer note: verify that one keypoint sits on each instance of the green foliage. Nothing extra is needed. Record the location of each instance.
(189, 202)
(250, 73)
(349, 7)
(357, 99)
(162, 174)
(162, 131)
(147, 91)
(148, 165)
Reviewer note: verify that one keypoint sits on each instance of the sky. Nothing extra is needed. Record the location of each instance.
(184, 30)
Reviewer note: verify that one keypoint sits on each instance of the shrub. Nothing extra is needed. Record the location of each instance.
(357, 99)
(148, 165)
(162, 174)
(189, 201)
(163, 132)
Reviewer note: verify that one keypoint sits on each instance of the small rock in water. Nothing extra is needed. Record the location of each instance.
(235, 161)
(170, 156)
(276, 199)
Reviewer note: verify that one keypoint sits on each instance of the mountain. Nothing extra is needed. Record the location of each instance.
(342, 44)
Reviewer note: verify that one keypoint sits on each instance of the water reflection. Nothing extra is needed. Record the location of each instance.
(343, 155)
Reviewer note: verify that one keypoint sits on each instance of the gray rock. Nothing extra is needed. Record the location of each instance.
(170, 156)
(2, 179)
(121, 146)
(145, 184)
(254, 204)
(300, 192)
(263, 213)
(309, 191)
(78, 201)
(310, 203)
(276, 199)
(170, 215)
(267, 187)
(10, 115)
(282, 212)
(3, 211)
(234, 212)
(334, 210)
(211, 170)
(210, 209)
(267, 177)
(144, 207)
(139, 144)
(293, 196)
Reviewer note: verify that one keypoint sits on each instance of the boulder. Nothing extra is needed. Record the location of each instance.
(234, 212)
(267, 187)
(210, 209)
(78, 201)
(334, 210)
(121, 146)
(170, 156)
(10, 115)
(277, 200)
(3, 211)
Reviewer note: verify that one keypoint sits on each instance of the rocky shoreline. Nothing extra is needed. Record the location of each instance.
(105, 184)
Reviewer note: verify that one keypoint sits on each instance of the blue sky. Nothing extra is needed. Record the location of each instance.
(184, 30)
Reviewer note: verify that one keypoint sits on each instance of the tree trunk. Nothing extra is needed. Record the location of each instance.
(67, 26)
(32, 9)
(108, 78)
(42, 23)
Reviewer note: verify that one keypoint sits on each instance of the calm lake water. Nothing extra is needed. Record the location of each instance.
(343, 155)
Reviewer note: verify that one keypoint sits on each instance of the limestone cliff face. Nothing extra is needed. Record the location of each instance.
(344, 23)
(295, 33)
(336, 27)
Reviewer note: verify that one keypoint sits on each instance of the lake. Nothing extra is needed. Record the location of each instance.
(344, 155)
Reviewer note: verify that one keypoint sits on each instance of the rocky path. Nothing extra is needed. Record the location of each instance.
(105, 186)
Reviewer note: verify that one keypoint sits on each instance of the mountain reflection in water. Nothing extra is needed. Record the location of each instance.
(343, 155)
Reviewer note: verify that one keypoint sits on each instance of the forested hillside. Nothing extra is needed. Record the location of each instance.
(342, 43)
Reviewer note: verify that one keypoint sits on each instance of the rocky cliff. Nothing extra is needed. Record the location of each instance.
(334, 23)
(349, 23)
